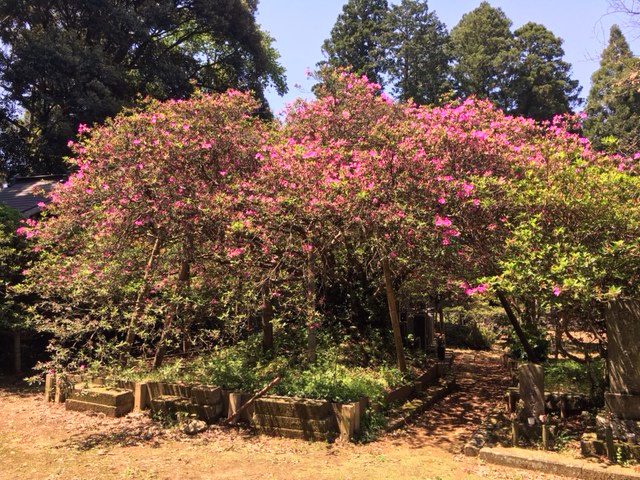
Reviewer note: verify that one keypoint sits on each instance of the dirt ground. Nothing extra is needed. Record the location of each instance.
(39, 440)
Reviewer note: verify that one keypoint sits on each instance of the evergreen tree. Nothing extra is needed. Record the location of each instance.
(357, 38)
(542, 86)
(482, 46)
(613, 104)
(418, 60)
(74, 62)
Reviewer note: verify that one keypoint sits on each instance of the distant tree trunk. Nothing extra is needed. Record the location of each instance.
(393, 313)
(517, 328)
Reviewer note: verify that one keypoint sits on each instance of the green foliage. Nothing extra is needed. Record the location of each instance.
(69, 63)
(613, 104)
(570, 376)
(537, 339)
(15, 254)
(372, 426)
(474, 336)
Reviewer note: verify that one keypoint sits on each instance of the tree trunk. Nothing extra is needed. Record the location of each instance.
(312, 339)
(17, 351)
(393, 313)
(142, 293)
(183, 281)
(267, 321)
(518, 329)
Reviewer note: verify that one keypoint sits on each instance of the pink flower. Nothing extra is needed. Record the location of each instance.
(82, 367)
(557, 291)
(442, 201)
(442, 221)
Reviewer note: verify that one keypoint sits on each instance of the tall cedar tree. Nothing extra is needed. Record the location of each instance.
(357, 39)
(482, 46)
(75, 62)
(543, 87)
(418, 60)
(613, 104)
(522, 73)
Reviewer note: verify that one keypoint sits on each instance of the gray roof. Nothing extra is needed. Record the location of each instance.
(24, 193)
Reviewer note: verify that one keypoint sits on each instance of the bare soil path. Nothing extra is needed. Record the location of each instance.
(43, 441)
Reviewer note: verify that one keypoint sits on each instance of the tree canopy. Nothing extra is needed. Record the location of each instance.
(482, 46)
(356, 39)
(521, 72)
(542, 86)
(186, 218)
(418, 53)
(76, 62)
(613, 104)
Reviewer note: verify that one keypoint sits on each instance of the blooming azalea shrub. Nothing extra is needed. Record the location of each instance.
(187, 220)
(134, 253)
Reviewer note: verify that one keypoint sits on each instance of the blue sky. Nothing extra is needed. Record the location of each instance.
(301, 26)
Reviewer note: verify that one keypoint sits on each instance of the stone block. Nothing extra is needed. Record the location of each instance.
(429, 377)
(50, 387)
(623, 355)
(141, 400)
(314, 436)
(111, 402)
(168, 404)
(623, 406)
(347, 419)
(157, 389)
(531, 389)
(103, 396)
(206, 395)
(324, 426)
(399, 394)
(293, 407)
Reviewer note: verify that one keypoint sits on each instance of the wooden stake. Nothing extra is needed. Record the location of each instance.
(236, 415)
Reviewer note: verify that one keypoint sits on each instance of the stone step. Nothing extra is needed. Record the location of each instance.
(113, 397)
(89, 406)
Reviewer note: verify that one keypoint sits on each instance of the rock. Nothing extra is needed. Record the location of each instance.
(193, 427)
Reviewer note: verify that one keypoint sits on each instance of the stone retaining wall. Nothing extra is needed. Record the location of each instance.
(273, 415)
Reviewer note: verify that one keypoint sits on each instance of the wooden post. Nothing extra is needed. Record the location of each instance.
(393, 313)
(50, 387)
(611, 446)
